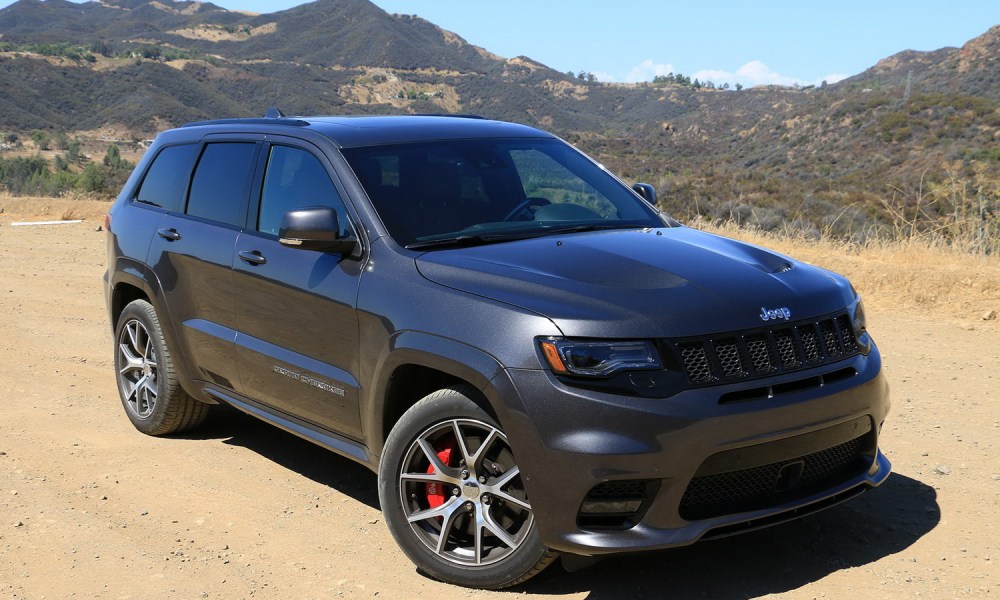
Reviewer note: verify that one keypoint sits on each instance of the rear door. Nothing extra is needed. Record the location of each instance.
(192, 256)
(298, 331)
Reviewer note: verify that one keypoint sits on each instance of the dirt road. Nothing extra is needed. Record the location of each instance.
(90, 508)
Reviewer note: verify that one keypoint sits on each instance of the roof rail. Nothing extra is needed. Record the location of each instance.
(456, 116)
(264, 121)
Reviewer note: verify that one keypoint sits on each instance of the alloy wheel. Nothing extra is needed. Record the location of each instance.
(137, 368)
(462, 494)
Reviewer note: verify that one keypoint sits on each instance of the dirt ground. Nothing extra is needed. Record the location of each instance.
(90, 508)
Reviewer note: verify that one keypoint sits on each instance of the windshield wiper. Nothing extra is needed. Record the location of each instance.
(465, 240)
(481, 239)
(587, 227)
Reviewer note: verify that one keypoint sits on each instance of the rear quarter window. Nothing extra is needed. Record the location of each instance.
(167, 178)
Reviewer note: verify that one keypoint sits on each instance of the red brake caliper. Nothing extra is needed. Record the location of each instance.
(435, 489)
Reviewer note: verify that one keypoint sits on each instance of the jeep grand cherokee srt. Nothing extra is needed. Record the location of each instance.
(530, 355)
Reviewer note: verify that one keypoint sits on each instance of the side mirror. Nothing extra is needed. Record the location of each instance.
(647, 191)
(314, 228)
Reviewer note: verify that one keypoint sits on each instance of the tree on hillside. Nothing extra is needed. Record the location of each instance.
(41, 139)
(113, 158)
(73, 151)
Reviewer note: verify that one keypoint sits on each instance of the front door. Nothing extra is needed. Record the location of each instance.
(297, 342)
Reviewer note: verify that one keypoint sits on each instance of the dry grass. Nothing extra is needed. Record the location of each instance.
(917, 276)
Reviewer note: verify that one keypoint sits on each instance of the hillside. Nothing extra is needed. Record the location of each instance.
(857, 158)
(972, 70)
(152, 64)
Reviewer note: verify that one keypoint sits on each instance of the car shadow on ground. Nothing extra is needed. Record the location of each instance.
(779, 559)
(292, 452)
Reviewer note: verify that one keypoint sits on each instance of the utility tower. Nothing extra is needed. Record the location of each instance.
(909, 83)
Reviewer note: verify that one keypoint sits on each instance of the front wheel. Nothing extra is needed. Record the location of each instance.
(454, 498)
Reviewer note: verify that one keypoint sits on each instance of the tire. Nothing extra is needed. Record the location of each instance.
(447, 466)
(147, 382)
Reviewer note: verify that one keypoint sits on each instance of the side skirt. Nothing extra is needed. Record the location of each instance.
(321, 437)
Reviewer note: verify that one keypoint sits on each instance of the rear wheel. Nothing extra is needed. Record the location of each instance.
(454, 498)
(147, 382)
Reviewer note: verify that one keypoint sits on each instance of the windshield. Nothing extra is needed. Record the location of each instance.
(488, 190)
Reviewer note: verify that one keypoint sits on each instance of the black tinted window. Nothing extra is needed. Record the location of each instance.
(219, 186)
(167, 178)
(294, 179)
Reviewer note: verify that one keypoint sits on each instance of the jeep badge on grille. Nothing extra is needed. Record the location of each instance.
(768, 314)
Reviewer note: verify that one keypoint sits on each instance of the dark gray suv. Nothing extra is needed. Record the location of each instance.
(533, 358)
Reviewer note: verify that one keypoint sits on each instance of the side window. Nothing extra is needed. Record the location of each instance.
(219, 186)
(168, 176)
(294, 179)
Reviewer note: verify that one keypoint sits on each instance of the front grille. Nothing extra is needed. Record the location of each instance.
(744, 355)
(759, 487)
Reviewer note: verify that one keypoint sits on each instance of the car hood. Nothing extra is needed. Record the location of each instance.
(667, 282)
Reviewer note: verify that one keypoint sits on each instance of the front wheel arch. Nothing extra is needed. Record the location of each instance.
(435, 360)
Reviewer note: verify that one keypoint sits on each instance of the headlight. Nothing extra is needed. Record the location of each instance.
(598, 358)
(859, 325)
(858, 318)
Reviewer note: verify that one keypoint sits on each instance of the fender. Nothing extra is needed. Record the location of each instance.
(428, 350)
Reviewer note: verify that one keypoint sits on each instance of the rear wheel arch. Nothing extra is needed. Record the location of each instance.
(132, 280)
(123, 294)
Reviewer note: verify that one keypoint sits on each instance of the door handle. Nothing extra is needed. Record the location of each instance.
(169, 234)
(253, 257)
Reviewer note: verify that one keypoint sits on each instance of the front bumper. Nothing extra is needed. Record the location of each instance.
(568, 440)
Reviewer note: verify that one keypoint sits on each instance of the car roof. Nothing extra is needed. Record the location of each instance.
(358, 131)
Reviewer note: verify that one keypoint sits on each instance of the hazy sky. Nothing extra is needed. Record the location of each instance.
(750, 42)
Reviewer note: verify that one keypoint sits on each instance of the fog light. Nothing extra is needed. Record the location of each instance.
(610, 506)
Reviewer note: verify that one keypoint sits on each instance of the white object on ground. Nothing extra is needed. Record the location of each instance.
(26, 223)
